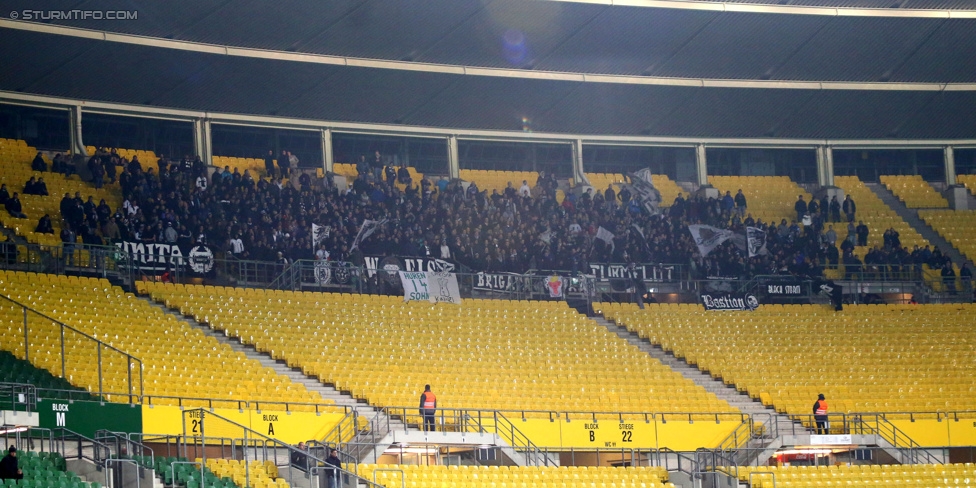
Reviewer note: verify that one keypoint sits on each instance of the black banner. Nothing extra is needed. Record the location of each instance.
(784, 288)
(729, 302)
(506, 282)
(646, 272)
(159, 258)
(393, 264)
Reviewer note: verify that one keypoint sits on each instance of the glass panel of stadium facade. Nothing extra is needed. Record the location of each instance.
(429, 154)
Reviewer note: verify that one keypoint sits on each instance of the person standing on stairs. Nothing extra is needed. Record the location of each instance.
(428, 405)
(333, 464)
(850, 208)
(299, 458)
(820, 415)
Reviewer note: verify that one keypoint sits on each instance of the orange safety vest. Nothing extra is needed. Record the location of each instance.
(430, 400)
(821, 407)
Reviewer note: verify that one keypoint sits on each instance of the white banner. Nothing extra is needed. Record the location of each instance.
(605, 236)
(756, 241)
(707, 238)
(431, 287)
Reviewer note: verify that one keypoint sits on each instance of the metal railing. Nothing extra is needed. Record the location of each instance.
(911, 452)
(256, 446)
(115, 262)
(22, 397)
(46, 326)
(197, 402)
(122, 445)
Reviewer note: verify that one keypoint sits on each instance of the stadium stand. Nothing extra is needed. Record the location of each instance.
(913, 191)
(498, 180)
(880, 475)
(876, 215)
(969, 181)
(145, 156)
(380, 348)
(17, 370)
(768, 198)
(665, 185)
(47, 469)
(927, 353)
(15, 170)
(254, 165)
(263, 474)
(879, 218)
(435, 476)
(178, 361)
(955, 226)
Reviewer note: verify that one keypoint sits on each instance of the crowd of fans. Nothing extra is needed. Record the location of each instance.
(269, 219)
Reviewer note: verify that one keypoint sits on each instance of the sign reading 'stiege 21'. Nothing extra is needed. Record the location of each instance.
(729, 302)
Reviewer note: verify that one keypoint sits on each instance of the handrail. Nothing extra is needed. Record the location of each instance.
(897, 438)
(682, 460)
(20, 394)
(121, 461)
(211, 402)
(99, 344)
(288, 273)
(878, 424)
(100, 452)
(519, 440)
(252, 436)
(340, 433)
(123, 442)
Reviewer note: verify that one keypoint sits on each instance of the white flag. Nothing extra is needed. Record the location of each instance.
(605, 236)
(319, 234)
(756, 241)
(368, 228)
(707, 238)
(546, 237)
(642, 188)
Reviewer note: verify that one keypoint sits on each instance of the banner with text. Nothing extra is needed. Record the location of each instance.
(391, 265)
(501, 282)
(159, 258)
(729, 302)
(646, 272)
(430, 286)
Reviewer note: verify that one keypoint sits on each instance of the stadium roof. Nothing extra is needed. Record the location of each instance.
(688, 40)
(89, 69)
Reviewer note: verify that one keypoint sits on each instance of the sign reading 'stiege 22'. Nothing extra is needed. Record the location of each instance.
(729, 302)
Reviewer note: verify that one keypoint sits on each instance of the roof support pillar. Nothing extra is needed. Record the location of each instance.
(74, 120)
(202, 140)
(328, 159)
(825, 166)
(949, 159)
(453, 166)
(579, 175)
(701, 165)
